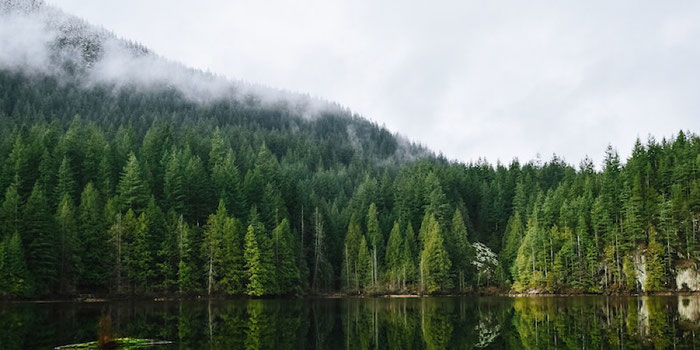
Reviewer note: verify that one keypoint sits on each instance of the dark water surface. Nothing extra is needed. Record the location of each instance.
(588, 322)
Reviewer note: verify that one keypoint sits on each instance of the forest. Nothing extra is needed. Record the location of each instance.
(118, 191)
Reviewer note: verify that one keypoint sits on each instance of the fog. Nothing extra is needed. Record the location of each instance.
(36, 38)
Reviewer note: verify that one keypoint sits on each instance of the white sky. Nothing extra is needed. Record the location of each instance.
(494, 79)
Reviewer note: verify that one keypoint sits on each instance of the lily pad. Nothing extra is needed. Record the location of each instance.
(118, 343)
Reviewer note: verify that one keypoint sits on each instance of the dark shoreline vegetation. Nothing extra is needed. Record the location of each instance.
(117, 192)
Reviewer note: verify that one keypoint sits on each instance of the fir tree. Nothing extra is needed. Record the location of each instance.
(132, 189)
(435, 262)
(42, 241)
(364, 265)
(654, 263)
(10, 213)
(232, 261)
(394, 266)
(254, 266)
(91, 237)
(66, 183)
(376, 240)
(350, 277)
(212, 247)
(16, 275)
(186, 269)
(287, 271)
(68, 258)
(409, 252)
(463, 254)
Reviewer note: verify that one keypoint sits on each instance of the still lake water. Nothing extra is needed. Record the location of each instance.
(587, 322)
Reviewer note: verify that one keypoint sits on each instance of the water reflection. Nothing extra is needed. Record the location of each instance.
(355, 323)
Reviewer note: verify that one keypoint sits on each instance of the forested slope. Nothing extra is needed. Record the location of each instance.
(112, 182)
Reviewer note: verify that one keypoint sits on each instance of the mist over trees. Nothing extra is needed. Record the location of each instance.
(126, 192)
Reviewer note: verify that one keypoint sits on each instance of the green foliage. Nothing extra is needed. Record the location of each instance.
(394, 257)
(287, 272)
(10, 211)
(462, 253)
(132, 189)
(68, 259)
(41, 241)
(350, 274)
(435, 263)
(186, 267)
(364, 265)
(320, 187)
(654, 263)
(259, 264)
(91, 237)
(16, 278)
(255, 271)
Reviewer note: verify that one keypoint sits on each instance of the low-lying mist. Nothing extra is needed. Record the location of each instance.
(38, 39)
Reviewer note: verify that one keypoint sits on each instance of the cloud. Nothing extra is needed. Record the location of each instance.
(40, 39)
(468, 78)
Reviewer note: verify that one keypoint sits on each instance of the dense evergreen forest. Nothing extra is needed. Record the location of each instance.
(144, 193)
(110, 187)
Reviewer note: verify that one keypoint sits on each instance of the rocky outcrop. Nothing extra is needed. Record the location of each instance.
(639, 261)
(688, 278)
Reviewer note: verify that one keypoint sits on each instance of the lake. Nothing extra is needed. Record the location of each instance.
(585, 322)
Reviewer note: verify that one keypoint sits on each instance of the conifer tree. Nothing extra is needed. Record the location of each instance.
(91, 237)
(227, 183)
(173, 182)
(117, 233)
(259, 259)
(463, 254)
(232, 261)
(68, 258)
(137, 257)
(350, 277)
(10, 213)
(186, 269)
(394, 266)
(132, 189)
(287, 271)
(16, 276)
(409, 253)
(376, 240)
(254, 266)
(654, 263)
(512, 239)
(435, 263)
(41, 239)
(212, 247)
(364, 265)
(66, 183)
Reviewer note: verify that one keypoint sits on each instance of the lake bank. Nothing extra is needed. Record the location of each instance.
(170, 298)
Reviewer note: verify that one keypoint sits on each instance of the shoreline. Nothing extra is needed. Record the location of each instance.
(170, 298)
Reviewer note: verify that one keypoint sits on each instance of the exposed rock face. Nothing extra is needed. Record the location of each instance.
(688, 278)
(640, 268)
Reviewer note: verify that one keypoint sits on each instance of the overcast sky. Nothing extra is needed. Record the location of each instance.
(493, 79)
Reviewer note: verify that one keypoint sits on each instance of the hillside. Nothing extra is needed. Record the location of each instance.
(124, 173)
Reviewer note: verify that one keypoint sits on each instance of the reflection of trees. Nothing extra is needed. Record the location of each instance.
(435, 322)
(370, 323)
(578, 323)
